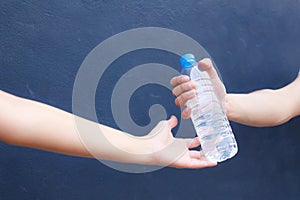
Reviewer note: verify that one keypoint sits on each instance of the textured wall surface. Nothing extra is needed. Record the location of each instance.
(255, 45)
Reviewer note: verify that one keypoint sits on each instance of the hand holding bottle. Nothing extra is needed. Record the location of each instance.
(184, 88)
(206, 110)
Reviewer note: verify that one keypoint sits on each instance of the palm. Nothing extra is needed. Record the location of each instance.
(175, 152)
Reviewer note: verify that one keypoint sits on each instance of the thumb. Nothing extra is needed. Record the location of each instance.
(208, 66)
(172, 122)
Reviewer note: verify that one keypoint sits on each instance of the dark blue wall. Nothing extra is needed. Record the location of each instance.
(255, 44)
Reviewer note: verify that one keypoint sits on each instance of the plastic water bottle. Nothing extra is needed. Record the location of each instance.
(209, 119)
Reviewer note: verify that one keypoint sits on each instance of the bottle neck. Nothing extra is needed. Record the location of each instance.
(191, 64)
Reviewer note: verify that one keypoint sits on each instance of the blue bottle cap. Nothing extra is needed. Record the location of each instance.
(187, 60)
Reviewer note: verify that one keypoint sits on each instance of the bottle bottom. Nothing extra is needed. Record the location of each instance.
(220, 151)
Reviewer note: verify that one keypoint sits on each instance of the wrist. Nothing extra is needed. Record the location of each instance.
(228, 106)
(233, 108)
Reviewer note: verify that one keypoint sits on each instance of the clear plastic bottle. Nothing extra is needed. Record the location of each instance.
(209, 119)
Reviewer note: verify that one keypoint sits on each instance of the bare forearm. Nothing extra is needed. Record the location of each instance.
(265, 107)
(261, 108)
(32, 124)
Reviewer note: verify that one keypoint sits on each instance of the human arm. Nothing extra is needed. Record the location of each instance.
(260, 108)
(265, 107)
(32, 124)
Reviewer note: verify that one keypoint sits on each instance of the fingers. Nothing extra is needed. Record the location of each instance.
(186, 113)
(193, 143)
(182, 157)
(183, 87)
(197, 154)
(208, 66)
(172, 122)
(198, 160)
(193, 160)
(182, 99)
(179, 80)
(219, 87)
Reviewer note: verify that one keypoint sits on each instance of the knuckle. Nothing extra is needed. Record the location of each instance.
(175, 91)
(177, 80)
(189, 94)
(185, 95)
(176, 102)
(181, 87)
(173, 81)
(180, 100)
(185, 86)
